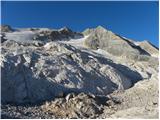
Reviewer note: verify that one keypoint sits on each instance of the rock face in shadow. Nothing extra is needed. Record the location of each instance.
(58, 35)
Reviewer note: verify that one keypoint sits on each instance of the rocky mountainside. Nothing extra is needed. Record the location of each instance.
(44, 68)
(147, 46)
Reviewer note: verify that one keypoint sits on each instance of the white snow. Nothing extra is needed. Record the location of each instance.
(103, 52)
(90, 56)
(20, 36)
(45, 29)
(76, 42)
(124, 37)
(47, 45)
(136, 43)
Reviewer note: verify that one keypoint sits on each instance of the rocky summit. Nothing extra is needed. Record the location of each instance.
(59, 73)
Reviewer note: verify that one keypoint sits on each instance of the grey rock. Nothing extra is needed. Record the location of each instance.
(64, 74)
(78, 106)
(44, 73)
(57, 35)
(100, 38)
(69, 96)
(150, 48)
(6, 28)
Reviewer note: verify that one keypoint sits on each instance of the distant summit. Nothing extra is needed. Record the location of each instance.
(6, 28)
(98, 38)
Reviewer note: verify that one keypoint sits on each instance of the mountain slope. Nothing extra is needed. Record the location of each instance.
(151, 49)
(41, 64)
(112, 43)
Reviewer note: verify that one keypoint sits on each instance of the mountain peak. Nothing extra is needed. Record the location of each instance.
(6, 28)
(65, 29)
(100, 27)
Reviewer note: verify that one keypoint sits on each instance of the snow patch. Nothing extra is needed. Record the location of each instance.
(90, 56)
(100, 51)
(20, 36)
(137, 43)
(76, 42)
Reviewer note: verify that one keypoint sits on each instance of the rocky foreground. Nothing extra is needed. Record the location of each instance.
(49, 73)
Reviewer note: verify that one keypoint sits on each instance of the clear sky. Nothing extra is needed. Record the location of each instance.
(134, 20)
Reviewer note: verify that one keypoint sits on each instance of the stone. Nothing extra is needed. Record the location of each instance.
(66, 74)
(100, 38)
(6, 28)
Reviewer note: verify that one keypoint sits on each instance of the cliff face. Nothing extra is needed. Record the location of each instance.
(41, 64)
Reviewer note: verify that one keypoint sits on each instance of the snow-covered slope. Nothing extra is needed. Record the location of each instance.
(24, 36)
(76, 42)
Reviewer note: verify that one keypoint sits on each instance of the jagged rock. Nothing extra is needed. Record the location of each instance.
(100, 38)
(78, 106)
(69, 96)
(151, 49)
(3, 39)
(66, 31)
(45, 72)
(113, 72)
(136, 101)
(6, 28)
(54, 35)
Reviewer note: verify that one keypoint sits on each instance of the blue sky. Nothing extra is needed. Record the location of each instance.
(134, 20)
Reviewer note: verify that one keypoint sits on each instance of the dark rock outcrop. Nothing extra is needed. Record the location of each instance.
(58, 35)
(6, 28)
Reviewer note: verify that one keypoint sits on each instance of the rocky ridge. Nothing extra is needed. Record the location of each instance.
(57, 67)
